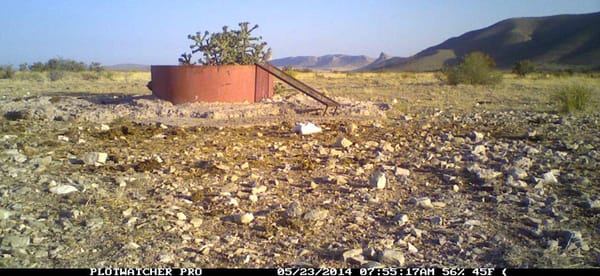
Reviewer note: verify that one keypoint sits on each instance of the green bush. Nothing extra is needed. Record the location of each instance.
(572, 98)
(55, 75)
(475, 68)
(7, 72)
(278, 88)
(523, 68)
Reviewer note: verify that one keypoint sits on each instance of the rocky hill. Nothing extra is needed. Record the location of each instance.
(550, 42)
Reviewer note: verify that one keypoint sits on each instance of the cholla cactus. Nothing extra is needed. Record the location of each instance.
(227, 47)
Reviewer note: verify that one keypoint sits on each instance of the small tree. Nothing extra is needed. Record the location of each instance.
(523, 68)
(23, 67)
(96, 67)
(227, 47)
(475, 68)
(6, 72)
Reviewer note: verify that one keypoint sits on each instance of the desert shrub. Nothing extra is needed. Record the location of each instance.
(55, 75)
(7, 72)
(31, 76)
(87, 75)
(572, 98)
(278, 88)
(108, 75)
(290, 71)
(523, 68)
(475, 68)
(23, 67)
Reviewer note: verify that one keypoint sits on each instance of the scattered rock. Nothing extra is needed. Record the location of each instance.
(392, 257)
(476, 136)
(196, 222)
(518, 173)
(166, 258)
(436, 220)
(259, 190)
(401, 219)
(342, 142)
(4, 214)
(131, 246)
(401, 172)
(95, 158)
(352, 253)
(550, 178)
(294, 210)
(423, 202)
(245, 218)
(15, 241)
(181, 216)
(316, 215)
(63, 189)
(412, 249)
(307, 129)
(473, 222)
(590, 203)
(378, 180)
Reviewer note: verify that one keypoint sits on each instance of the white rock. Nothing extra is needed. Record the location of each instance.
(352, 253)
(246, 218)
(401, 172)
(412, 249)
(401, 219)
(131, 246)
(196, 222)
(4, 214)
(253, 198)
(181, 216)
(473, 222)
(94, 158)
(128, 212)
(63, 189)
(478, 150)
(518, 173)
(63, 138)
(166, 258)
(392, 257)
(549, 178)
(423, 202)
(378, 180)
(259, 190)
(104, 127)
(455, 188)
(342, 142)
(307, 129)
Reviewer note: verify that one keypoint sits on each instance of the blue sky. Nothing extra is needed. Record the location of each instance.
(155, 32)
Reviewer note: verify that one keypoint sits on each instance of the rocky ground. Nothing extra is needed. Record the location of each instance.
(134, 181)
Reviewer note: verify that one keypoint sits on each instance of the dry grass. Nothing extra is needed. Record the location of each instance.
(408, 92)
(414, 92)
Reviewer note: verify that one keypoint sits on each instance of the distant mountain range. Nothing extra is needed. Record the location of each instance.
(327, 63)
(550, 42)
